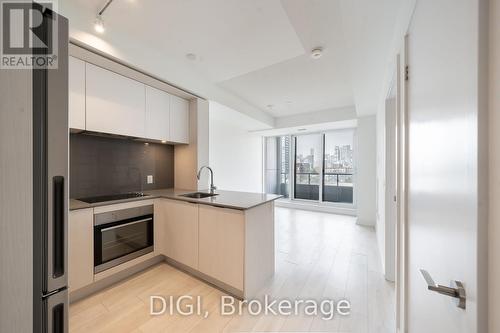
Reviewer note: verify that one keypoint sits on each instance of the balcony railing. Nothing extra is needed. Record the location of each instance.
(338, 179)
(337, 187)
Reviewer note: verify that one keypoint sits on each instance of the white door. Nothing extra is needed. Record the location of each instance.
(445, 221)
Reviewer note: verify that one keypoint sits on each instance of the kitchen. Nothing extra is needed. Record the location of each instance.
(127, 198)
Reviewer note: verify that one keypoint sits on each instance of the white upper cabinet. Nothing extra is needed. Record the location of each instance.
(115, 104)
(157, 114)
(76, 103)
(104, 101)
(179, 120)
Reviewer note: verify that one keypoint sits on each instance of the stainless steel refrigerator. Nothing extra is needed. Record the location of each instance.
(34, 182)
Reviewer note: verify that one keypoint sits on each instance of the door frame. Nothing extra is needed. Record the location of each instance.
(402, 190)
(293, 170)
(390, 179)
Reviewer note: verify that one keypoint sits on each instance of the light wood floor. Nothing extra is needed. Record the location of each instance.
(318, 256)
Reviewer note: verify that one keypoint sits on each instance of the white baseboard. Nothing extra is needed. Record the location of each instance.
(316, 207)
(366, 223)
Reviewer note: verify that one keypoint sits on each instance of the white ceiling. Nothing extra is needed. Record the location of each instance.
(252, 54)
(303, 84)
(313, 128)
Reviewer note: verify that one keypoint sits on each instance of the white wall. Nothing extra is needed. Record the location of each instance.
(386, 209)
(189, 158)
(494, 132)
(235, 153)
(366, 171)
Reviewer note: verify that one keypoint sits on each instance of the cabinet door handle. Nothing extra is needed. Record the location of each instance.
(125, 224)
(457, 292)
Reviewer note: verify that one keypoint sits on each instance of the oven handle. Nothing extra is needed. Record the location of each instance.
(126, 224)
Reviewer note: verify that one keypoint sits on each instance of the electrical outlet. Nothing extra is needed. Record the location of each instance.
(150, 179)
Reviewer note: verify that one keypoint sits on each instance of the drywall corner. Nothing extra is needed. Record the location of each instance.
(366, 174)
(189, 158)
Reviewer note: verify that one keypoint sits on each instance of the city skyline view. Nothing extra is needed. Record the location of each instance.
(326, 159)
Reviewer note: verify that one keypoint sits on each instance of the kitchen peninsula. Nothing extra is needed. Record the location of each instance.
(225, 239)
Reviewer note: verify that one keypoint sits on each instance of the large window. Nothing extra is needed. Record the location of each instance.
(323, 166)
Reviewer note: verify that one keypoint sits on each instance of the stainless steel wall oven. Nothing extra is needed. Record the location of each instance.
(122, 235)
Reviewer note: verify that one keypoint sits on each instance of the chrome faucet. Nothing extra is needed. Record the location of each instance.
(212, 186)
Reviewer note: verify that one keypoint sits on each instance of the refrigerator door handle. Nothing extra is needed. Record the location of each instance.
(57, 312)
(56, 235)
(58, 263)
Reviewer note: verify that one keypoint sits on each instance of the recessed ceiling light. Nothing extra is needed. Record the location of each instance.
(191, 56)
(316, 53)
(163, 141)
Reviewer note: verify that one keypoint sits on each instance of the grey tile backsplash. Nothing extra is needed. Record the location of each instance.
(102, 165)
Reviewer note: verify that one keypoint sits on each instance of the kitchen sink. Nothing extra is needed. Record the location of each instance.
(198, 195)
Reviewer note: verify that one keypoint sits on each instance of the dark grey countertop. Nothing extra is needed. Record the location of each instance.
(224, 199)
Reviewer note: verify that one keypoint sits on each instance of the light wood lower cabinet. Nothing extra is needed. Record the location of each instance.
(80, 248)
(222, 244)
(233, 249)
(160, 233)
(180, 232)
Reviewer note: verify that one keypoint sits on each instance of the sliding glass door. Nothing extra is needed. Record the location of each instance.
(322, 166)
(308, 165)
(338, 181)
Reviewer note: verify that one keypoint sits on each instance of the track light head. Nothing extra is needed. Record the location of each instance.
(99, 24)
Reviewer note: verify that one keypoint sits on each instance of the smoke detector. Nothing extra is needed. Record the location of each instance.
(191, 56)
(316, 53)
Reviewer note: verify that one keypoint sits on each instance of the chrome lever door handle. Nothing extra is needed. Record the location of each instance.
(457, 292)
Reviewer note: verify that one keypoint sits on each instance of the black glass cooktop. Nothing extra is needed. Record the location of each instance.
(103, 198)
